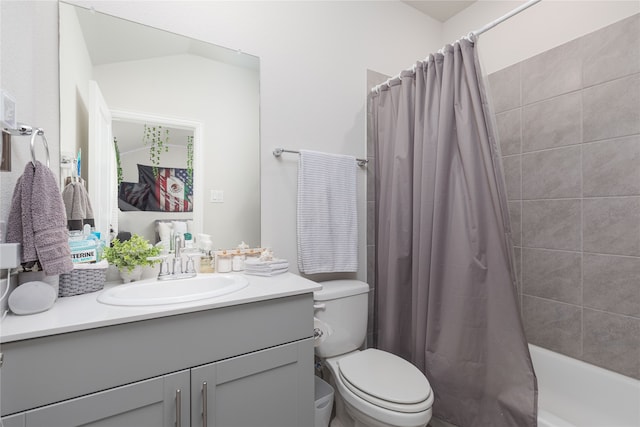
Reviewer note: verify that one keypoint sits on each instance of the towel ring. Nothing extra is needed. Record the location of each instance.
(34, 133)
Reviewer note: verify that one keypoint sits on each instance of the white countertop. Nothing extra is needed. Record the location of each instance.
(85, 312)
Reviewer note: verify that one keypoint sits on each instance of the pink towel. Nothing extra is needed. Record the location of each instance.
(37, 220)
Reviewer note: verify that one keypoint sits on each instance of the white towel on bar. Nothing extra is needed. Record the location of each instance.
(327, 218)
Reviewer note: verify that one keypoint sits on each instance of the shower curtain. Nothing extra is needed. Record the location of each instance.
(446, 297)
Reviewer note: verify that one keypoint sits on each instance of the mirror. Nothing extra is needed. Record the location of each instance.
(153, 77)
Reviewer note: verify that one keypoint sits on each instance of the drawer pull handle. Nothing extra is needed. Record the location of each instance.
(178, 408)
(204, 404)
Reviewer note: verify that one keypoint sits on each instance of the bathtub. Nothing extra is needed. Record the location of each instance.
(572, 393)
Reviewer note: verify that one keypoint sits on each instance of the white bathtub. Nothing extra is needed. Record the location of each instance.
(572, 393)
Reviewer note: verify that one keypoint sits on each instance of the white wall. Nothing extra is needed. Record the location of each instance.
(29, 50)
(541, 27)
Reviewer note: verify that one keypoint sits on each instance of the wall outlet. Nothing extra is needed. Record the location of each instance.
(217, 196)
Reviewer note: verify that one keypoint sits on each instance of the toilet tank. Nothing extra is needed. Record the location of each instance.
(341, 308)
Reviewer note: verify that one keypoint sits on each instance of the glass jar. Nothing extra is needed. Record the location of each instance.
(223, 262)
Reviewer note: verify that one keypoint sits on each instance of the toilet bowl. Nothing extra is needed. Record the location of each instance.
(374, 388)
(400, 397)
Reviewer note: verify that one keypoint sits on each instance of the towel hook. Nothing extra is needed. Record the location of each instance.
(35, 132)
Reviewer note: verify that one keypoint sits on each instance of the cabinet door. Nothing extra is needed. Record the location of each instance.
(268, 388)
(16, 420)
(149, 403)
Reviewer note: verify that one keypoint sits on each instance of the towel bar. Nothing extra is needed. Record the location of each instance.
(277, 152)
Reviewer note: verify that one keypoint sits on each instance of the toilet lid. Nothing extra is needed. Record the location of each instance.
(386, 377)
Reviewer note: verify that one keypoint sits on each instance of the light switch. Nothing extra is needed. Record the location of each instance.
(217, 196)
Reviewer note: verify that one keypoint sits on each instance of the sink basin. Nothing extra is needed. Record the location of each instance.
(173, 291)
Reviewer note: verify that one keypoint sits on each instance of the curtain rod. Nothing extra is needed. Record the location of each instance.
(503, 18)
(472, 35)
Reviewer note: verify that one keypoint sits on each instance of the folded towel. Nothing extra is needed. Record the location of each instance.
(267, 273)
(38, 222)
(266, 268)
(327, 219)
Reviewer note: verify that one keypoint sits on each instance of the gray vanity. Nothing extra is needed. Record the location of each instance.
(240, 360)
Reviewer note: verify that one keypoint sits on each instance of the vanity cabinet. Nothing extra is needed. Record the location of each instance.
(246, 365)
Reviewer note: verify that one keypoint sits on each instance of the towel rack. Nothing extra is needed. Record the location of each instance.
(277, 152)
(26, 130)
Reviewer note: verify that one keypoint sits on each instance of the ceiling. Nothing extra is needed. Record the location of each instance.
(440, 10)
(110, 39)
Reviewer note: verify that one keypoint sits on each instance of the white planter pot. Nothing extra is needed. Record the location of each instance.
(130, 276)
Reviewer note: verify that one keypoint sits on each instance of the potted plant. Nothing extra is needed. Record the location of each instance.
(130, 256)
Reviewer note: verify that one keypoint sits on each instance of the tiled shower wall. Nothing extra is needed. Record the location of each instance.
(569, 127)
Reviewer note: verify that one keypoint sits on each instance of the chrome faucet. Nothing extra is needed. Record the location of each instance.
(177, 271)
(178, 245)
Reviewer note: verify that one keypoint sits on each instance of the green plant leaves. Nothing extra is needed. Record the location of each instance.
(157, 138)
(131, 253)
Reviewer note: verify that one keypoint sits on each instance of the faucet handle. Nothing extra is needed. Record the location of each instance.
(191, 267)
(164, 264)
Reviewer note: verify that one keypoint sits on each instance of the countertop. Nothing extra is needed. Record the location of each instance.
(83, 312)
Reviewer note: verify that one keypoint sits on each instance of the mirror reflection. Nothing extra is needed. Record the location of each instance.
(116, 77)
(154, 167)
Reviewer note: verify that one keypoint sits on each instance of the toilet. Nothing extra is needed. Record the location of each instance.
(373, 388)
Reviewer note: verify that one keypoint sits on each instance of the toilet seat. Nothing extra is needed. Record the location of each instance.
(386, 381)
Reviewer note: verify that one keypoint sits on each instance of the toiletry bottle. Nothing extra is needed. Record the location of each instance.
(83, 250)
(206, 264)
(99, 244)
(188, 241)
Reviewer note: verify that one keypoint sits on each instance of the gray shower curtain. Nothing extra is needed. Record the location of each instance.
(446, 297)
